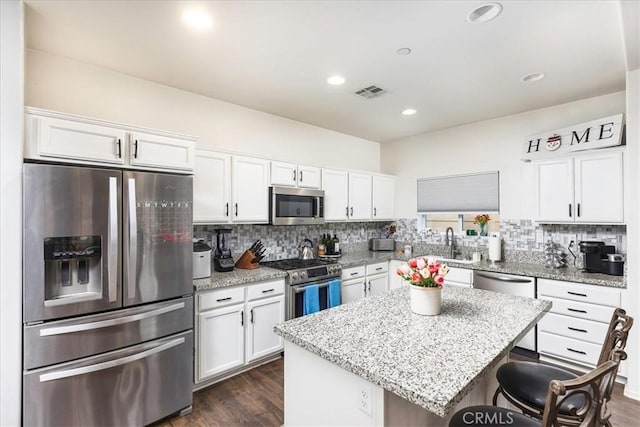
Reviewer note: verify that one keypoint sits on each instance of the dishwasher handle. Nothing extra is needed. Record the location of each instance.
(504, 278)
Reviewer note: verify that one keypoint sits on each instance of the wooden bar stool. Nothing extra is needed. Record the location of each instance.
(593, 389)
(525, 384)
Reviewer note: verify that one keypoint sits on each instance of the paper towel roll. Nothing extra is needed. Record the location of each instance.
(495, 247)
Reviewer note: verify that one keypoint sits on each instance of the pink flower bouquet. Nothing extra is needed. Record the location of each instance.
(424, 272)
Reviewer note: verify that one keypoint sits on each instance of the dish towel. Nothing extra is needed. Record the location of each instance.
(311, 299)
(333, 294)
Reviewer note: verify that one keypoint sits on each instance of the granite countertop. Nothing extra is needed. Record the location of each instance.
(236, 277)
(432, 361)
(570, 274)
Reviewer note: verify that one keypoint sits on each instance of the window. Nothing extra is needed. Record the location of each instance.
(440, 222)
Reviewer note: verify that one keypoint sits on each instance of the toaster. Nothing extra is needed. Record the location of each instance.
(382, 244)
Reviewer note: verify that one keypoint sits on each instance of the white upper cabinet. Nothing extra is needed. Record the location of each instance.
(383, 197)
(292, 175)
(57, 136)
(359, 196)
(250, 189)
(212, 187)
(151, 150)
(585, 188)
(335, 184)
(599, 188)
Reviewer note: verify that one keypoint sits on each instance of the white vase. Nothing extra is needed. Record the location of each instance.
(425, 301)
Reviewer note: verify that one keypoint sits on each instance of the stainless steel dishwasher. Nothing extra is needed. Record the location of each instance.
(513, 285)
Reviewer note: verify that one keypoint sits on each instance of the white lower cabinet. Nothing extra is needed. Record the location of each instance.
(364, 281)
(264, 314)
(575, 328)
(234, 327)
(353, 290)
(377, 284)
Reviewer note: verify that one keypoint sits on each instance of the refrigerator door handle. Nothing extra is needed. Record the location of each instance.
(66, 373)
(111, 322)
(112, 248)
(133, 241)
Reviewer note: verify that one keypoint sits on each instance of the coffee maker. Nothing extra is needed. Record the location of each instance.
(594, 253)
(222, 259)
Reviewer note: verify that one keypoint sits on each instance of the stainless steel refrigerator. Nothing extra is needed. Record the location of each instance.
(108, 296)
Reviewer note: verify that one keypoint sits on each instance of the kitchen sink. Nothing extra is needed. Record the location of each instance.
(458, 261)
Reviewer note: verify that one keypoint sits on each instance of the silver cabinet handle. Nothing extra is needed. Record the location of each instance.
(133, 241)
(135, 149)
(119, 143)
(226, 209)
(570, 210)
(294, 175)
(578, 209)
(351, 210)
(242, 318)
(576, 294)
(347, 208)
(300, 176)
(379, 268)
(236, 206)
(575, 310)
(374, 212)
(266, 291)
(504, 278)
(577, 329)
(576, 351)
(112, 240)
(58, 375)
(252, 315)
(60, 330)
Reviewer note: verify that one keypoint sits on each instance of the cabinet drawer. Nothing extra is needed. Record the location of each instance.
(459, 275)
(578, 292)
(265, 289)
(585, 330)
(583, 310)
(353, 272)
(377, 268)
(568, 348)
(220, 298)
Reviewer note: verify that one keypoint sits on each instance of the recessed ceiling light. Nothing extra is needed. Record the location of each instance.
(485, 13)
(197, 18)
(336, 80)
(533, 77)
(403, 51)
(409, 111)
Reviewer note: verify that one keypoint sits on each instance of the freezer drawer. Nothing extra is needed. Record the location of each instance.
(129, 387)
(63, 340)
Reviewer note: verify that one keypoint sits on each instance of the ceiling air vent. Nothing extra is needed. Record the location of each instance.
(370, 92)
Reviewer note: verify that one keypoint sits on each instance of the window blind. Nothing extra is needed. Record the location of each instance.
(479, 192)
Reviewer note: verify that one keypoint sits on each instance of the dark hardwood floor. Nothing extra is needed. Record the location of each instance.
(255, 398)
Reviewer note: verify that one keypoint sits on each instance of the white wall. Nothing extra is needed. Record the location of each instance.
(57, 83)
(632, 299)
(11, 88)
(486, 146)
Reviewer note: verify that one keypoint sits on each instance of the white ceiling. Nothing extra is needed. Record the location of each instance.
(275, 56)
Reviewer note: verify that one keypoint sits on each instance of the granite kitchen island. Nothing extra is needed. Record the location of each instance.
(373, 362)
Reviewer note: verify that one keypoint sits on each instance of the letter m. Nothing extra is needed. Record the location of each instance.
(579, 139)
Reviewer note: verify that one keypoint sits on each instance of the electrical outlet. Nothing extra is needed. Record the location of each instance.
(364, 398)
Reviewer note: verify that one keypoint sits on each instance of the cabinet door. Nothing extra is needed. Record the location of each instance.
(359, 196)
(377, 284)
(221, 340)
(383, 197)
(285, 174)
(250, 189)
(599, 188)
(554, 190)
(395, 281)
(160, 151)
(211, 187)
(76, 140)
(263, 316)
(308, 177)
(335, 184)
(353, 290)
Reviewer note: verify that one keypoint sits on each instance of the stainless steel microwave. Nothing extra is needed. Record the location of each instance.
(295, 206)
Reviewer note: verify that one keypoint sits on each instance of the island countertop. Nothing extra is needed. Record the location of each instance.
(432, 361)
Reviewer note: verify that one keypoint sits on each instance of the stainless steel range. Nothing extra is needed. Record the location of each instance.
(302, 273)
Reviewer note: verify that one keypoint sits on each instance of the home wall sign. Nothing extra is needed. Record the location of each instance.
(601, 133)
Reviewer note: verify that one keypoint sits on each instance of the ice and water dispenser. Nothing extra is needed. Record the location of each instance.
(73, 268)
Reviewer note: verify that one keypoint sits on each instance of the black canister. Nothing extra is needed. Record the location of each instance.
(613, 265)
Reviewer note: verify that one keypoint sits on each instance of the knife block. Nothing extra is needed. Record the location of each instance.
(244, 262)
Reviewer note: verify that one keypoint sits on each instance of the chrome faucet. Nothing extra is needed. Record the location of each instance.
(448, 242)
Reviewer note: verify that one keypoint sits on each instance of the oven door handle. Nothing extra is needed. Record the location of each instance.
(66, 373)
(300, 288)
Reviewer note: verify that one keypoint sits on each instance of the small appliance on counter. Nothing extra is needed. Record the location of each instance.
(613, 265)
(222, 259)
(382, 244)
(594, 254)
(201, 259)
(251, 258)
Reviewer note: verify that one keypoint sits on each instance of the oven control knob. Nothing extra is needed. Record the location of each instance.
(294, 276)
(303, 274)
